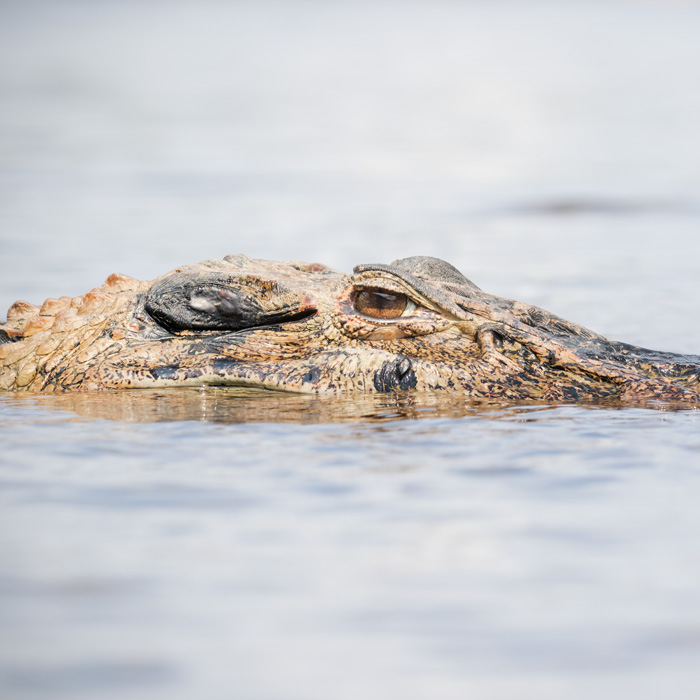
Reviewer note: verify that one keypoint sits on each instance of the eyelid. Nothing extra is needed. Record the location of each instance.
(382, 282)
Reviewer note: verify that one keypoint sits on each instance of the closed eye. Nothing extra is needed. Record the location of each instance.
(178, 303)
(382, 304)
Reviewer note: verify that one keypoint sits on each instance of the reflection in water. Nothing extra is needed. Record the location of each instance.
(231, 405)
(234, 405)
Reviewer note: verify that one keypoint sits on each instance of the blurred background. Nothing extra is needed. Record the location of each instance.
(551, 150)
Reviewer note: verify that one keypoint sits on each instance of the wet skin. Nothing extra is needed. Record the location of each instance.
(416, 325)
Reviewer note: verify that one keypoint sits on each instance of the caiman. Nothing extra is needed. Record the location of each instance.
(416, 325)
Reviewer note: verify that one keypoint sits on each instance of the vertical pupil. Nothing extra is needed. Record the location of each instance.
(376, 304)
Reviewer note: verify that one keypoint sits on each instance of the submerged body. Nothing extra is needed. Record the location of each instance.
(415, 325)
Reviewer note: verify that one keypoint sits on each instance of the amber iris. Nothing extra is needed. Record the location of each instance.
(377, 303)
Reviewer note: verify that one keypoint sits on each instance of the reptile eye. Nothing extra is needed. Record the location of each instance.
(381, 304)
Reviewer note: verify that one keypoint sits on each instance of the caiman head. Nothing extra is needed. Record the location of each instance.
(415, 325)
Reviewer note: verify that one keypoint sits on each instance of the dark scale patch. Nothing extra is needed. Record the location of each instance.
(312, 376)
(5, 337)
(395, 375)
(175, 373)
(567, 393)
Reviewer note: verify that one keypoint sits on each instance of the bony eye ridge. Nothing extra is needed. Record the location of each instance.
(382, 304)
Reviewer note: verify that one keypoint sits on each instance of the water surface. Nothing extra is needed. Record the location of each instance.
(444, 550)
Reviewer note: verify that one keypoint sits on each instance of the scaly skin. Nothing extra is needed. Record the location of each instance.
(297, 327)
